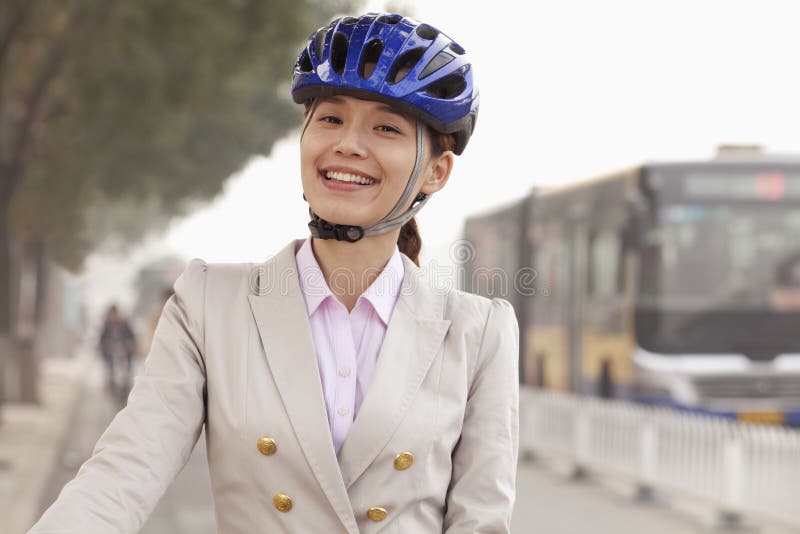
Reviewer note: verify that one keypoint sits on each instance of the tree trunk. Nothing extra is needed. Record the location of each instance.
(9, 178)
(5, 295)
(29, 306)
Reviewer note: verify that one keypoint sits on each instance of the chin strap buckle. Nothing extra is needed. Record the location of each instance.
(341, 232)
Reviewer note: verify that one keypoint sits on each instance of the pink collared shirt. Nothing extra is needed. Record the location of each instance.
(347, 344)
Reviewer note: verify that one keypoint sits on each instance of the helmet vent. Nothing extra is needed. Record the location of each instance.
(305, 62)
(448, 87)
(455, 47)
(427, 32)
(349, 20)
(404, 64)
(369, 58)
(440, 60)
(319, 41)
(390, 19)
(339, 48)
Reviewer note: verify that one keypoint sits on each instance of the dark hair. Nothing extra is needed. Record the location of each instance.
(409, 241)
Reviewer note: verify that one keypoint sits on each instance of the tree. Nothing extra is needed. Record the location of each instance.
(109, 107)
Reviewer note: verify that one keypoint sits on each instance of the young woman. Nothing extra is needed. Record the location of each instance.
(340, 389)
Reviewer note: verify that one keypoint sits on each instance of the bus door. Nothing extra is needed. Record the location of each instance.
(577, 261)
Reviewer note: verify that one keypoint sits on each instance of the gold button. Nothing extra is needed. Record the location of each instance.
(267, 446)
(403, 461)
(282, 502)
(377, 514)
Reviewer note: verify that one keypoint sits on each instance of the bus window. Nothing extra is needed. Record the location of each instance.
(720, 257)
(604, 264)
(550, 264)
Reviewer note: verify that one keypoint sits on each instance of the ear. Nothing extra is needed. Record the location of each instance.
(438, 172)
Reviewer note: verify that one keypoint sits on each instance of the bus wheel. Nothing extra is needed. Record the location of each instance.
(606, 380)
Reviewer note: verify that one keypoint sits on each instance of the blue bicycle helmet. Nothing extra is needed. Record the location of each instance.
(438, 89)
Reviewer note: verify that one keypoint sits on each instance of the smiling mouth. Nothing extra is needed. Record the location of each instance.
(346, 177)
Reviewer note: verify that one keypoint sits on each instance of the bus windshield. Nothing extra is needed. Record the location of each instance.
(720, 262)
(744, 257)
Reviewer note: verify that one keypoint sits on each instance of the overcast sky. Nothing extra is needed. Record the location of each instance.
(568, 90)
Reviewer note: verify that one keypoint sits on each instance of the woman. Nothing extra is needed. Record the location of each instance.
(341, 391)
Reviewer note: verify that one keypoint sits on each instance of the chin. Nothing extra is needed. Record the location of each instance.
(342, 215)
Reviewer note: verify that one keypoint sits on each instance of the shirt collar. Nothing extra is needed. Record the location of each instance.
(382, 293)
(385, 289)
(312, 282)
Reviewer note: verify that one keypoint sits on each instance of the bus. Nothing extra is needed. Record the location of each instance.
(666, 283)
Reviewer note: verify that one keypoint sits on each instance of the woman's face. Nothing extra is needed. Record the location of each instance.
(348, 137)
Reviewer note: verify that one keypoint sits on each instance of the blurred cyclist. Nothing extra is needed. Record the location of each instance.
(118, 346)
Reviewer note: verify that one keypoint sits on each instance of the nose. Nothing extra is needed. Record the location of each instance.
(350, 142)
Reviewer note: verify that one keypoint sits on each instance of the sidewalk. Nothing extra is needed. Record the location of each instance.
(31, 437)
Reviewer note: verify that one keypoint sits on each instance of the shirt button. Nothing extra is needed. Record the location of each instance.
(344, 372)
(344, 410)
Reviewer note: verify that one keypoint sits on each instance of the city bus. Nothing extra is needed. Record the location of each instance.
(672, 283)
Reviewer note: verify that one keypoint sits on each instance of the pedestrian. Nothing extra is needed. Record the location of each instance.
(118, 347)
(341, 390)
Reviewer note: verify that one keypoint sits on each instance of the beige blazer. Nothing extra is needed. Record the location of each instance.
(433, 447)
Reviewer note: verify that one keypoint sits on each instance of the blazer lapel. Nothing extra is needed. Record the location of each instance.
(285, 331)
(413, 337)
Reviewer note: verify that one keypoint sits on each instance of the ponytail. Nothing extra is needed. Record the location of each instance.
(409, 242)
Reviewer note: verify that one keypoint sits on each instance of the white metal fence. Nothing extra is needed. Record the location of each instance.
(746, 470)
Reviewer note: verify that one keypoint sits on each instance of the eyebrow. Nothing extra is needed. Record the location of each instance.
(390, 109)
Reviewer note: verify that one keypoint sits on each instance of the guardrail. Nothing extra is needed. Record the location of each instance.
(742, 469)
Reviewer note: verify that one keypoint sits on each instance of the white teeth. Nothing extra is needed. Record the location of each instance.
(346, 177)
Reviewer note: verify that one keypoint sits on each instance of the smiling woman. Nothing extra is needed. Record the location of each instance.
(334, 380)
